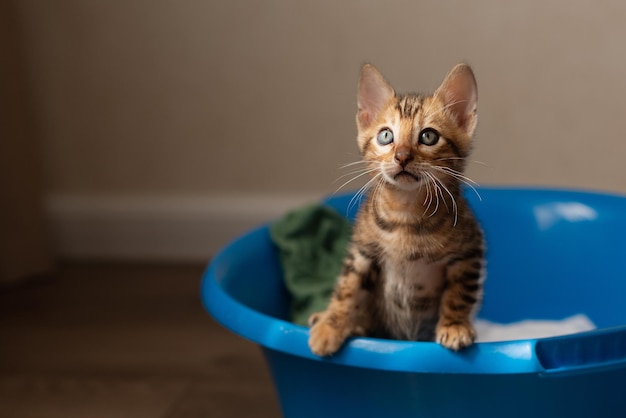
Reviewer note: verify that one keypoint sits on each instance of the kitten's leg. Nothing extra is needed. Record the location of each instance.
(348, 312)
(459, 301)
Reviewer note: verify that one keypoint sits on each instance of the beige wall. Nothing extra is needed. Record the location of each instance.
(204, 97)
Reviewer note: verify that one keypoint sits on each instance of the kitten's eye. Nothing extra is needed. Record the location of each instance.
(385, 137)
(429, 137)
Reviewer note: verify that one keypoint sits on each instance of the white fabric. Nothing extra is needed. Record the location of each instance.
(530, 329)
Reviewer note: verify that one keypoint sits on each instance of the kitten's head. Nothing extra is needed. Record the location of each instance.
(411, 139)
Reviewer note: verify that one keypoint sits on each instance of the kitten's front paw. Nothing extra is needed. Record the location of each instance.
(324, 339)
(456, 337)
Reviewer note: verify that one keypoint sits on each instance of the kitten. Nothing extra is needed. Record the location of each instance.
(415, 265)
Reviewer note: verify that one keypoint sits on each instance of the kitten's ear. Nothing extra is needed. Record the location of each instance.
(459, 94)
(373, 94)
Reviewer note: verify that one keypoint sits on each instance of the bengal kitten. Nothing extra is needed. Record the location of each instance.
(415, 264)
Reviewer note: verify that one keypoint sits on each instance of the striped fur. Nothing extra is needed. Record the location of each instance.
(415, 266)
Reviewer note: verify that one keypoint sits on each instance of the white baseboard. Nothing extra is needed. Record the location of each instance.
(158, 228)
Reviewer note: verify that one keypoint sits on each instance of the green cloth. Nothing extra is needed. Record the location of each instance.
(312, 242)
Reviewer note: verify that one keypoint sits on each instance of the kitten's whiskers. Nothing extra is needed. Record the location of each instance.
(356, 173)
(356, 199)
(431, 180)
(462, 158)
(354, 163)
(460, 177)
(439, 188)
(454, 204)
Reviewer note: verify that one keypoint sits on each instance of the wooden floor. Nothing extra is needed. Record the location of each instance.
(120, 340)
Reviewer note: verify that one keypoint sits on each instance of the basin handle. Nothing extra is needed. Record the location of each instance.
(580, 353)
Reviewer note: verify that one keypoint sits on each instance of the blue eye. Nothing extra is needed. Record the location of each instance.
(429, 137)
(385, 136)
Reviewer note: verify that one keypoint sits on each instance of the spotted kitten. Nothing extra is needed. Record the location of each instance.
(415, 265)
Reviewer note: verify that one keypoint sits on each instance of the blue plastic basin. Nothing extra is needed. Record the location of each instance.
(551, 254)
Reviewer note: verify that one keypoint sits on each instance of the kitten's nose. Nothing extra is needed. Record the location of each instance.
(403, 156)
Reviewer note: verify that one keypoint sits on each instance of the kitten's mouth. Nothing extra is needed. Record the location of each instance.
(407, 176)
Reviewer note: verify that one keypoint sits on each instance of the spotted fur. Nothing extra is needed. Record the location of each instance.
(415, 265)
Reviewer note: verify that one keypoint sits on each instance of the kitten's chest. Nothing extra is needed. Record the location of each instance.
(411, 292)
(406, 281)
